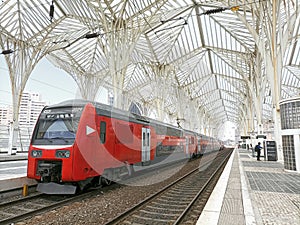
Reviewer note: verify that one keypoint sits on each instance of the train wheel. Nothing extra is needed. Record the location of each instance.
(105, 181)
(96, 182)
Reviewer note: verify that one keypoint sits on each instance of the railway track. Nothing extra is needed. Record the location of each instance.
(19, 209)
(23, 208)
(180, 202)
(15, 209)
(15, 193)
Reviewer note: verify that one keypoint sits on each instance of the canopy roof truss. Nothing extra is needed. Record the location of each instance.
(206, 46)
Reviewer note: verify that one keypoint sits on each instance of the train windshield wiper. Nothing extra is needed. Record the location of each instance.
(48, 139)
(60, 138)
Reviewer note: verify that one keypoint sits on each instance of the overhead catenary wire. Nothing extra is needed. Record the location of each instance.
(208, 12)
(51, 11)
(232, 8)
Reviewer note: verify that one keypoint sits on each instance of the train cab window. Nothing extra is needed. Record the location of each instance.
(102, 132)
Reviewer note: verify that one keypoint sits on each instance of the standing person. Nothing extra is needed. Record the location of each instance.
(257, 149)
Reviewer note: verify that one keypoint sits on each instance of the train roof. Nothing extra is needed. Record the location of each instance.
(122, 113)
(102, 109)
(73, 102)
(82, 102)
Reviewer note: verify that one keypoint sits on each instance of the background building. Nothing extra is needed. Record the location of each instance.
(5, 115)
(30, 108)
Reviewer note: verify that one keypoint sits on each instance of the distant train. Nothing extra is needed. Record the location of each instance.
(77, 144)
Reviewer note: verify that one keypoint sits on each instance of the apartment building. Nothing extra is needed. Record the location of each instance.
(5, 115)
(30, 108)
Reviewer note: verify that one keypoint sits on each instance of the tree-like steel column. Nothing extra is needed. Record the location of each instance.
(120, 45)
(257, 88)
(181, 106)
(271, 42)
(89, 85)
(161, 87)
(194, 116)
(88, 81)
(25, 40)
(278, 35)
(21, 61)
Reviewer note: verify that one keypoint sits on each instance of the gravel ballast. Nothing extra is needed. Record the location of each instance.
(106, 205)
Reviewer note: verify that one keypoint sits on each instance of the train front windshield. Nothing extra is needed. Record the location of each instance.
(57, 126)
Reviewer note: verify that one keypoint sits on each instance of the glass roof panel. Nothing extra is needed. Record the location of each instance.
(213, 57)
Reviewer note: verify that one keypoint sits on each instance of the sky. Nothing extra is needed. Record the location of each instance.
(53, 84)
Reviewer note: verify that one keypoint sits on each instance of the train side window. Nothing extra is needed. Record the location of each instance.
(144, 139)
(102, 132)
(148, 139)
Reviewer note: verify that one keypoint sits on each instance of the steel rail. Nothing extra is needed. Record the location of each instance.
(122, 216)
(187, 209)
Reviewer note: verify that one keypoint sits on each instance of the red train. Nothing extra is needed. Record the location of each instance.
(76, 144)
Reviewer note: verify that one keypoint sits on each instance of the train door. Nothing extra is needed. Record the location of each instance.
(145, 144)
(199, 146)
(187, 142)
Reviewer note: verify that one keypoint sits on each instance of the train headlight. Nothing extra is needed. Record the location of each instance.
(62, 154)
(36, 153)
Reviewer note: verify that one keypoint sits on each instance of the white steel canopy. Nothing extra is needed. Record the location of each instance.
(230, 60)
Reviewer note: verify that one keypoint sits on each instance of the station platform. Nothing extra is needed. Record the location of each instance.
(13, 172)
(249, 192)
(4, 157)
(253, 192)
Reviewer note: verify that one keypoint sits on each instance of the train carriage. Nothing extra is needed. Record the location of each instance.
(78, 141)
(76, 144)
(169, 138)
(190, 147)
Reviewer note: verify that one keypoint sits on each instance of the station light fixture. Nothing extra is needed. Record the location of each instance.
(235, 8)
(217, 10)
(62, 154)
(36, 153)
(213, 11)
